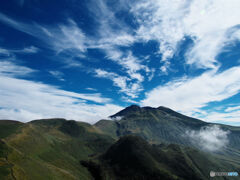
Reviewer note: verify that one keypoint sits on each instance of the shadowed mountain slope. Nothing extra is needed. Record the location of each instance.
(133, 158)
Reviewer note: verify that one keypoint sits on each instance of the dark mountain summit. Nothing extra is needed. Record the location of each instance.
(127, 111)
(137, 110)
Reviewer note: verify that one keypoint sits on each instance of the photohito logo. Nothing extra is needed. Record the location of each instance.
(213, 174)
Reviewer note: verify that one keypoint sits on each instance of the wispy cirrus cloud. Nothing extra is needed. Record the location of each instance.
(69, 39)
(12, 52)
(130, 63)
(130, 89)
(91, 89)
(26, 100)
(28, 50)
(57, 74)
(59, 37)
(10, 69)
(8, 65)
(169, 22)
(232, 108)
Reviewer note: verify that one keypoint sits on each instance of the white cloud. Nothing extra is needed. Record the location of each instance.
(26, 50)
(164, 68)
(63, 37)
(69, 39)
(150, 73)
(13, 83)
(130, 63)
(167, 22)
(233, 108)
(129, 88)
(131, 84)
(229, 117)
(210, 138)
(91, 89)
(8, 68)
(170, 21)
(11, 52)
(31, 49)
(129, 100)
(116, 118)
(112, 32)
(4, 52)
(26, 28)
(72, 37)
(188, 95)
(26, 100)
(57, 74)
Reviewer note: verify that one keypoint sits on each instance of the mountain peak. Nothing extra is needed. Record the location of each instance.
(130, 109)
(137, 109)
(133, 107)
(164, 108)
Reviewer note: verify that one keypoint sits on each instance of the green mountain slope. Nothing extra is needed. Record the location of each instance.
(133, 158)
(8, 127)
(50, 149)
(159, 125)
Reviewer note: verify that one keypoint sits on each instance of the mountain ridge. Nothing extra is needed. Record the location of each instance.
(160, 125)
(135, 108)
(67, 149)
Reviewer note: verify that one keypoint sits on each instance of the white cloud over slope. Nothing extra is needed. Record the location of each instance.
(210, 138)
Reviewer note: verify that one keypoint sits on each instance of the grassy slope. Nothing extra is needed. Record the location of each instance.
(133, 158)
(8, 127)
(42, 149)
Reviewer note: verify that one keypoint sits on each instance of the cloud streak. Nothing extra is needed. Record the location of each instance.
(190, 94)
(26, 100)
(69, 40)
(8, 68)
(130, 89)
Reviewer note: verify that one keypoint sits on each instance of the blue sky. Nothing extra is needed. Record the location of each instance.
(88, 59)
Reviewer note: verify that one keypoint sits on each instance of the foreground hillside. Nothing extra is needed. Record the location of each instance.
(156, 148)
(131, 157)
(49, 149)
